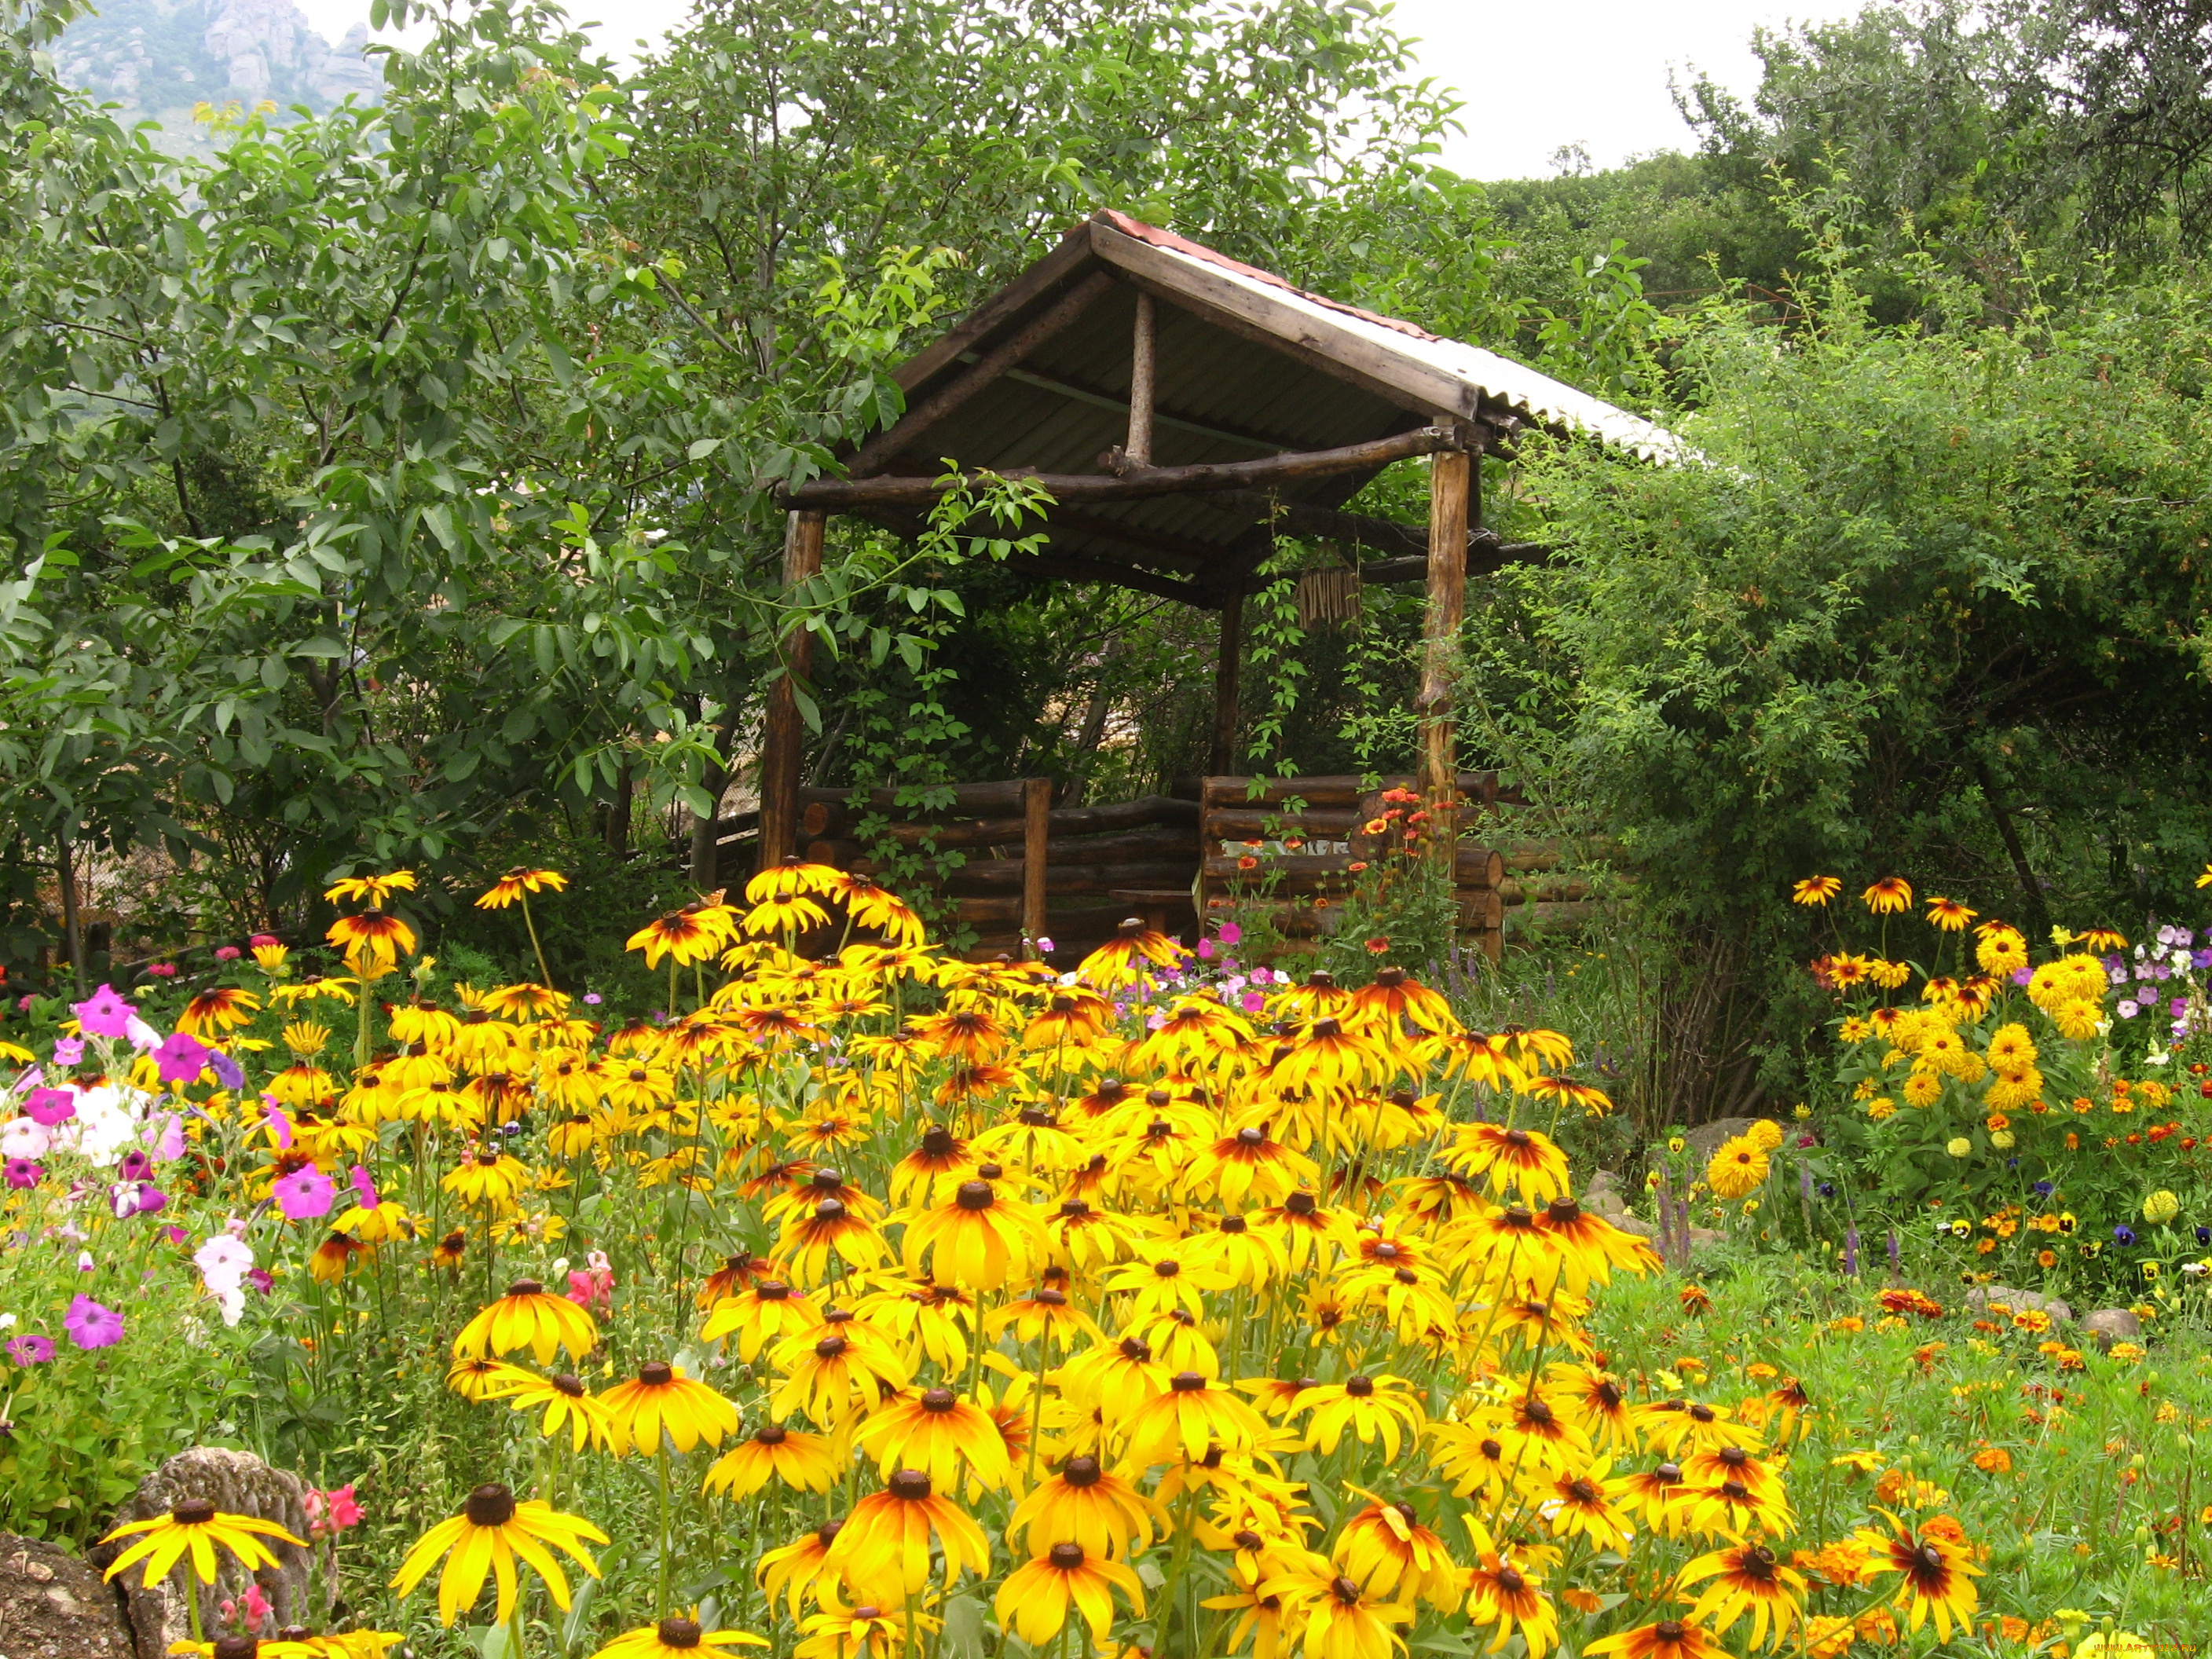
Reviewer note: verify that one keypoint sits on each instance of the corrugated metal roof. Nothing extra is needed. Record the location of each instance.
(1490, 377)
(1246, 366)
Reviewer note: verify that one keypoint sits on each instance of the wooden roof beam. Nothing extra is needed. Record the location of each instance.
(1142, 483)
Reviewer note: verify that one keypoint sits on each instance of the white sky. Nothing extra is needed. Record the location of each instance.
(1592, 72)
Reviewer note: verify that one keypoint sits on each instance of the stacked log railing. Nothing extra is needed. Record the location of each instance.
(1329, 812)
(1024, 870)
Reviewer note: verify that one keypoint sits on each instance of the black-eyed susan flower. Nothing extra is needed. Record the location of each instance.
(686, 936)
(762, 1312)
(569, 1404)
(980, 1240)
(874, 906)
(811, 1241)
(803, 1461)
(831, 1374)
(528, 1316)
(485, 1539)
(676, 1639)
(196, 1529)
(1949, 914)
(1340, 1619)
(372, 940)
(1246, 1166)
(1382, 1406)
(1037, 1597)
(1393, 1557)
(517, 884)
(801, 1567)
(1746, 1579)
(1528, 1161)
(1195, 1412)
(1936, 1573)
(1816, 890)
(661, 1400)
(485, 1178)
(936, 1431)
(220, 1009)
(1665, 1638)
(1085, 1501)
(1504, 1595)
(369, 889)
(1890, 896)
(865, 1630)
(886, 1540)
(1118, 1377)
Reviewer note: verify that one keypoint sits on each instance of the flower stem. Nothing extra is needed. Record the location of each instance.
(545, 978)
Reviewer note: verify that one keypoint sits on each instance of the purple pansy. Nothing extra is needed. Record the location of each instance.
(304, 1195)
(91, 1325)
(105, 1014)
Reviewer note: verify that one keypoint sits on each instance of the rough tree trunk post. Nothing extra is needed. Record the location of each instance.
(1451, 488)
(1228, 669)
(783, 734)
(72, 921)
(1140, 446)
(1037, 840)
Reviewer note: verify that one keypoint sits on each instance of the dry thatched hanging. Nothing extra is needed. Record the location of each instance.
(1329, 597)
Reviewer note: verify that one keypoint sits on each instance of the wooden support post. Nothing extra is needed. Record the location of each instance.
(1450, 490)
(1140, 446)
(72, 919)
(1228, 669)
(1037, 841)
(783, 734)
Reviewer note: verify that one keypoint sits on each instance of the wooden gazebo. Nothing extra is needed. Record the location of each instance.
(1182, 409)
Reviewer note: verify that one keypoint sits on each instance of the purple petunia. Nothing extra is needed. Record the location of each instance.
(68, 1051)
(30, 1348)
(25, 1172)
(105, 1014)
(51, 1107)
(225, 1069)
(151, 1199)
(304, 1195)
(135, 1165)
(181, 1058)
(90, 1325)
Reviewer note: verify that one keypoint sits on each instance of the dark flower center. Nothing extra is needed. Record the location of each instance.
(1670, 1630)
(1702, 1413)
(235, 1647)
(830, 1209)
(910, 1485)
(976, 1196)
(1929, 1560)
(1735, 1456)
(490, 1506)
(1564, 1212)
(1066, 1557)
(1359, 1387)
(1492, 1450)
(1156, 1097)
(193, 1512)
(1188, 1383)
(1252, 1136)
(771, 1434)
(1345, 1591)
(870, 1612)
(1326, 1028)
(1510, 1581)
(1082, 1471)
(1537, 1412)
(679, 1633)
(1136, 1348)
(1299, 1203)
(1233, 1224)
(772, 1290)
(830, 1346)
(525, 1287)
(571, 1386)
(937, 1399)
(828, 1180)
(1247, 1540)
(1051, 1298)
(656, 1374)
(936, 1143)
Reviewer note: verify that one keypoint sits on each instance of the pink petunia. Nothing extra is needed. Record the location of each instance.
(181, 1058)
(105, 1014)
(364, 1187)
(90, 1325)
(51, 1107)
(305, 1194)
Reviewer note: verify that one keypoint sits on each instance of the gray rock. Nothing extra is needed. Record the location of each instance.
(2034, 1301)
(52, 1606)
(236, 1483)
(2108, 1325)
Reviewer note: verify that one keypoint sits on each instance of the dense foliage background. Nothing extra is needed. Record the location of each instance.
(392, 483)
